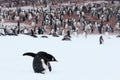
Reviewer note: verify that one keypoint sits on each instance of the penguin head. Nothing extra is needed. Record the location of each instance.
(53, 59)
(50, 58)
(47, 56)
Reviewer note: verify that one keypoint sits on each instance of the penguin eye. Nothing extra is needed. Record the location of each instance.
(53, 59)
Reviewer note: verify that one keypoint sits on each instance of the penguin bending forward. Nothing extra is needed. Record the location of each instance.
(41, 61)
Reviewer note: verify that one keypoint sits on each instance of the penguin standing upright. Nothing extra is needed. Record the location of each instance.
(41, 61)
(101, 40)
(85, 33)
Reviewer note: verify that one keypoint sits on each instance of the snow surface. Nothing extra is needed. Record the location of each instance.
(79, 59)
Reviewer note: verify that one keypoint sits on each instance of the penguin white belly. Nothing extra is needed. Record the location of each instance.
(44, 66)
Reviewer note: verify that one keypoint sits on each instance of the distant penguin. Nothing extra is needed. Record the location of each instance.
(85, 34)
(118, 36)
(41, 61)
(66, 38)
(55, 35)
(101, 40)
(33, 34)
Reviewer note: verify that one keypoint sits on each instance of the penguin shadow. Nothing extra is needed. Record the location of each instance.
(41, 61)
(43, 36)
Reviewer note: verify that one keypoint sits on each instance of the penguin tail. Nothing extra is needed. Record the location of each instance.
(29, 54)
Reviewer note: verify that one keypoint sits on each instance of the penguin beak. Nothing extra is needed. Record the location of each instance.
(56, 60)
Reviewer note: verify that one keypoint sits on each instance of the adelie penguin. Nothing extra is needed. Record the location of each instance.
(41, 61)
(67, 37)
(101, 40)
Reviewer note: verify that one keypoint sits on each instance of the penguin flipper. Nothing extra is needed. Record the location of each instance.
(29, 54)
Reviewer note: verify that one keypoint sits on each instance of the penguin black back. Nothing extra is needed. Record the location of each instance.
(38, 66)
